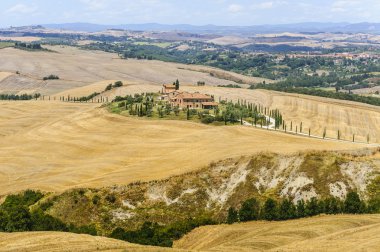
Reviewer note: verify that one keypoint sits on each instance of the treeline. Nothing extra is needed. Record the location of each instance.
(16, 216)
(273, 210)
(30, 46)
(322, 93)
(88, 98)
(22, 97)
(115, 85)
(157, 235)
(230, 86)
(51, 77)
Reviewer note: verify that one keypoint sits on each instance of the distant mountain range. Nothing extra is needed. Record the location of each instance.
(311, 27)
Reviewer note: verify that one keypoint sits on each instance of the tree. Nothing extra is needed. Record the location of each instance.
(287, 210)
(177, 85)
(332, 206)
(109, 87)
(250, 210)
(118, 84)
(176, 110)
(270, 210)
(19, 220)
(353, 204)
(4, 218)
(232, 216)
(301, 211)
(312, 207)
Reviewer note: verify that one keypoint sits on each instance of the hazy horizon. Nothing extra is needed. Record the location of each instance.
(196, 12)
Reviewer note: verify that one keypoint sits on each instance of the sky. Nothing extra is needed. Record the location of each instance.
(196, 12)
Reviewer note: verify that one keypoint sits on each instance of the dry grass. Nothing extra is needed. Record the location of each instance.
(65, 242)
(4, 75)
(326, 233)
(54, 146)
(21, 39)
(314, 112)
(78, 68)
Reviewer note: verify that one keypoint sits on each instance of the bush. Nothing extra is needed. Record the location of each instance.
(270, 210)
(207, 119)
(156, 235)
(118, 84)
(232, 216)
(250, 210)
(353, 204)
(51, 77)
(111, 198)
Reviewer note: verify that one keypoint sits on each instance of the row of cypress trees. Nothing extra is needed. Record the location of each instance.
(272, 210)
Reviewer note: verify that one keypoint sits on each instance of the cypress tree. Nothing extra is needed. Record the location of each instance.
(287, 210)
(232, 216)
(353, 204)
(301, 210)
(250, 210)
(270, 210)
(312, 207)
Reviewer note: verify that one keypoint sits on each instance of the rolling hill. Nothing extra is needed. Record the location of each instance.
(323, 233)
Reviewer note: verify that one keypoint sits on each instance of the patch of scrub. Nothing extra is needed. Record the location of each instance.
(127, 204)
(158, 193)
(121, 215)
(338, 190)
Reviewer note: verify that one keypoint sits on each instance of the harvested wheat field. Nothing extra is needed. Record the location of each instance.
(78, 68)
(324, 233)
(54, 146)
(67, 242)
(314, 112)
(4, 75)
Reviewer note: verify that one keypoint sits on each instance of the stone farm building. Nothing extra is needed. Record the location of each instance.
(168, 88)
(192, 100)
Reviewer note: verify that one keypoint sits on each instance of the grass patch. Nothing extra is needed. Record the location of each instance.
(6, 44)
(158, 44)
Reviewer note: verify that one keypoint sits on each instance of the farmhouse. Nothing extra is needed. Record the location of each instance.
(193, 101)
(168, 88)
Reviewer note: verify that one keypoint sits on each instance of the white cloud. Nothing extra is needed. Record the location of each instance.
(235, 8)
(21, 9)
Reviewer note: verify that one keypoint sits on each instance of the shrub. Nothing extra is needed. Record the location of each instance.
(270, 210)
(51, 77)
(232, 216)
(111, 198)
(353, 204)
(250, 210)
(207, 119)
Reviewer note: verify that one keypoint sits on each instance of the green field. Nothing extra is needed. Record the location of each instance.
(6, 44)
(158, 44)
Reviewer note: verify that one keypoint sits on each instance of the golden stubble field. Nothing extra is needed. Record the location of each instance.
(54, 146)
(316, 113)
(77, 68)
(68, 242)
(323, 233)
